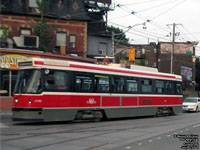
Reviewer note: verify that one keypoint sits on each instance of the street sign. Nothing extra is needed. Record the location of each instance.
(131, 54)
(188, 53)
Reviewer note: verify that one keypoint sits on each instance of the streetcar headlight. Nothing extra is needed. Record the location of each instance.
(30, 100)
(16, 100)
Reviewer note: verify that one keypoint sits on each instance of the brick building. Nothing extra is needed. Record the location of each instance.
(20, 16)
(183, 63)
(70, 22)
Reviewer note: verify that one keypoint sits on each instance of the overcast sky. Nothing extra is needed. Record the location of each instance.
(157, 14)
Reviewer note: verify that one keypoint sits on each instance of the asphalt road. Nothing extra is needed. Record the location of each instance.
(147, 133)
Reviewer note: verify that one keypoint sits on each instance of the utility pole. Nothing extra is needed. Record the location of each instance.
(173, 45)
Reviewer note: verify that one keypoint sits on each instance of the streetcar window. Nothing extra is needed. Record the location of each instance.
(147, 86)
(159, 86)
(101, 83)
(132, 85)
(179, 88)
(55, 80)
(29, 81)
(118, 84)
(83, 83)
(169, 87)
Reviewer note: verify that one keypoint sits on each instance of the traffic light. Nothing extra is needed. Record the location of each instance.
(131, 54)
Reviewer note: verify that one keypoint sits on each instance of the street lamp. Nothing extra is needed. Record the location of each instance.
(113, 37)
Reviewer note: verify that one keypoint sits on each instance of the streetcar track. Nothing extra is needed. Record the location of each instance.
(101, 128)
(76, 131)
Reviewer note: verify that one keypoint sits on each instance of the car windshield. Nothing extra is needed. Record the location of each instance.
(190, 100)
(29, 81)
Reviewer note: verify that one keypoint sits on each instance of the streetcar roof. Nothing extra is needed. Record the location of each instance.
(79, 66)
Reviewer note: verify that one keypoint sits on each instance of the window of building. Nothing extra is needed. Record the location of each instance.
(56, 80)
(132, 85)
(8, 80)
(102, 48)
(147, 86)
(159, 86)
(33, 3)
(169, 87)
(83, 83)
(25, 31)
(61, 38)
(118, 84)
(101, 83)
(73, 41)
(179, 88)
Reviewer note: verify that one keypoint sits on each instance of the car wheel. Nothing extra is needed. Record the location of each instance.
(197, 109)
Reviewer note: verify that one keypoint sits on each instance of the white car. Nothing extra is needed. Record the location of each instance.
(191, 104)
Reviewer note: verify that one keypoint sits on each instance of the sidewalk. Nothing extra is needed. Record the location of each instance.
(5, 112)
(5, 116)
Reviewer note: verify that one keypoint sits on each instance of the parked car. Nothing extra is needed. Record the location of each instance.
(191, 104)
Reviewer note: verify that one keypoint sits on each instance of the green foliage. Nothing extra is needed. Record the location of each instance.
(141, 62)
(5, 32)
(197, 70)
(41, 28)
(43, 6)
(120, 36)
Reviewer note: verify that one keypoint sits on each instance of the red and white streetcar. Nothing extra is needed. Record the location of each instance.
(57, 90)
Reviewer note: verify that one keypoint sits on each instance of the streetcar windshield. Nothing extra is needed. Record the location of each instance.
(28, 81)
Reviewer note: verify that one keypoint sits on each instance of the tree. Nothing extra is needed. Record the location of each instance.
(119, 35)
(5, 32)
(41, 28)
(197, 65)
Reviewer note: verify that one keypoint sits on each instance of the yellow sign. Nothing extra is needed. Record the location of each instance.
(131, 54)
(9, 61)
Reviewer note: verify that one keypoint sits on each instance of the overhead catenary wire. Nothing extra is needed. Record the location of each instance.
(184, 36)
(166, 11)
(163, 4)
(126, 9)
(141, 2)
(137, 33)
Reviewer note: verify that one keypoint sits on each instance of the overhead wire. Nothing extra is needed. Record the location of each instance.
(157, 6)
(140, 16)
(151, 21)
(137, 33)
(149, 1)
(190, 33)
(168, 10)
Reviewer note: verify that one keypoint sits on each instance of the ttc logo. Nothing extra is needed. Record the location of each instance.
(91, 101)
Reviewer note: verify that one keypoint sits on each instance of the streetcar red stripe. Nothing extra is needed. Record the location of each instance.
(39, 62)
(121, 71)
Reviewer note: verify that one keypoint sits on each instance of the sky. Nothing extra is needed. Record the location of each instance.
(158, 16)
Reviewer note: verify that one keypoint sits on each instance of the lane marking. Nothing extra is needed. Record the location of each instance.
(128, 147)
(139, 144)
(159, 138)
(168, 135)
(198, 125)
(150, 141)
(3, 125)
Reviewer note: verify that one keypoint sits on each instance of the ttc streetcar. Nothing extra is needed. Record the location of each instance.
(57, 90)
